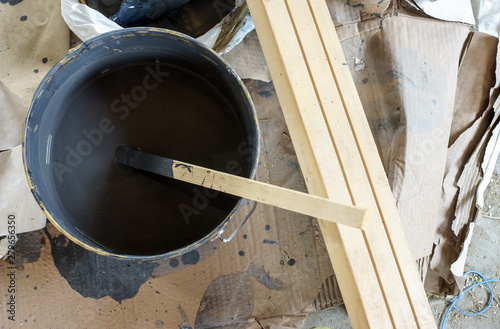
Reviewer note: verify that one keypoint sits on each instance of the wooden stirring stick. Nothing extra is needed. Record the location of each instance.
(299, 202)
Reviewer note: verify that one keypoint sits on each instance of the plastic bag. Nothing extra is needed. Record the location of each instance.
(137, 11)
(86, 23)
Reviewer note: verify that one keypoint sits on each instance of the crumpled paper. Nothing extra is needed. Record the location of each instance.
(84, 21)
(12, 114)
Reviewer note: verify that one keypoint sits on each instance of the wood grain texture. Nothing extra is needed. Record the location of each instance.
(280, 197)
(377, 275)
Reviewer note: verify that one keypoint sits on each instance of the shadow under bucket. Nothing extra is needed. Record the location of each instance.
(150, 89)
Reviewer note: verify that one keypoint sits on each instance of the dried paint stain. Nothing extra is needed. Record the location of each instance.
(93, 275)
(191, 258)
(11, 2)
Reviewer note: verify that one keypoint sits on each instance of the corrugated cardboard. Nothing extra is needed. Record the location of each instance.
(408, 91)
(276, 269)
(472, 116)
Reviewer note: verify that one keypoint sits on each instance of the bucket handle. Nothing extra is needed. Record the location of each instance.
(239, 226)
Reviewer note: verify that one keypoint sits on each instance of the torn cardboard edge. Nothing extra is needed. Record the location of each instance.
(458, 267)
(465, 154)
(490, 159)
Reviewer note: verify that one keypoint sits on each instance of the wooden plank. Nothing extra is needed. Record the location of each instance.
(339, 160)
(348, 252)
(303, 203)
(406, 264)
(350, 159)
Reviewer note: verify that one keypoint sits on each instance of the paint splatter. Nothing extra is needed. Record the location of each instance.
(191, 258)
(245, 236)
(23, 18)
(44, 60)
(293, 165)
(185, 322)
(173, 263)
(184, 166)
(291, 262)
(263, 277)
(36, 71)
(93, 275)
(241, 253)
(28, 248)
(269, 241)
(11, 2)
(267, 227)
(264, 93)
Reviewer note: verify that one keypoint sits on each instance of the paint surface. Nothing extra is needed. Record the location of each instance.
(160, 109)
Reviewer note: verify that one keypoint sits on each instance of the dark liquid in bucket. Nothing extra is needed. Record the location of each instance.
(161, 109)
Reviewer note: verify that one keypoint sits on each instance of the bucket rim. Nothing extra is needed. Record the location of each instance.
(95, 42)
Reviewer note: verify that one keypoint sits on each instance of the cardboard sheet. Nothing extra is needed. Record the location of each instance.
(406, 69)
(408, 91)
(248, 60)
(473, 114)
(33, 38)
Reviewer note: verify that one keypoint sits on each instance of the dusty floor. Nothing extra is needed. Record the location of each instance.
(483, 256)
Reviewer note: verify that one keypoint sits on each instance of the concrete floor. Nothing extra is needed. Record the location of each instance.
(483, 256)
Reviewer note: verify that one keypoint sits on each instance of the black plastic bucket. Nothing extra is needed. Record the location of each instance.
(151, 89)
